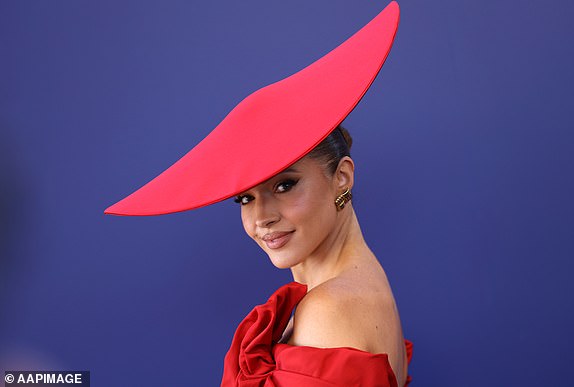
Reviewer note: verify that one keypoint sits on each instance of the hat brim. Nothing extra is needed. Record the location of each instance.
(272, 128)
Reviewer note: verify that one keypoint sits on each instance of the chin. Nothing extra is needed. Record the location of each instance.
(282, 261)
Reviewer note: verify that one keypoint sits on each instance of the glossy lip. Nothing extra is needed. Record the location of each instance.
(276, 240)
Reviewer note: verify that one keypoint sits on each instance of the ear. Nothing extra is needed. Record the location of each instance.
(345, 174)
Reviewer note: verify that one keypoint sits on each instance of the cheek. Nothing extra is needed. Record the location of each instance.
(247, 223)
(313, 211)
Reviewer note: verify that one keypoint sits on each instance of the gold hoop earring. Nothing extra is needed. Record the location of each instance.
(342, 199)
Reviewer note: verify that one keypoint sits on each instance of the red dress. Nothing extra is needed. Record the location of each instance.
(255, 357)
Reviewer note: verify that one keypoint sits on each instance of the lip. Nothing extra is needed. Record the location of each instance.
(276, 240)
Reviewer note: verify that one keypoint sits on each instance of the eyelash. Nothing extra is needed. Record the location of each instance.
(290, 182)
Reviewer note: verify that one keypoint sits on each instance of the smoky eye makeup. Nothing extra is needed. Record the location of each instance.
(242, 199)
(285, 185)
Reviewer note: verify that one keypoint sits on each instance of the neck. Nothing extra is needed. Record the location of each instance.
(334, 255)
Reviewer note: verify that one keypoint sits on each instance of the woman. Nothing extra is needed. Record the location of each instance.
(285, 157)
(304, 220)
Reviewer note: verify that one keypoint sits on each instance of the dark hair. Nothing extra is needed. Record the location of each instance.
(333, 148)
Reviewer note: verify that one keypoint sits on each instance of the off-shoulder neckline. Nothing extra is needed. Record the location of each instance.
(327, 348)
(367, 353)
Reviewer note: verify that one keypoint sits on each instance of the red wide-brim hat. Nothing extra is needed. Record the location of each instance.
(272, 128)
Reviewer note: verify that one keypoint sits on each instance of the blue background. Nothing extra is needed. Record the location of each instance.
(464, 186)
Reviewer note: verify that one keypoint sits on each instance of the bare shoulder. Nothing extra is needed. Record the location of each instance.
(337, 313)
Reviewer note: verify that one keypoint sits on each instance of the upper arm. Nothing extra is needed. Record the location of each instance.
(328, 318)
(331, 317)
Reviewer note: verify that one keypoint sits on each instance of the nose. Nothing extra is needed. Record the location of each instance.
(265, 213)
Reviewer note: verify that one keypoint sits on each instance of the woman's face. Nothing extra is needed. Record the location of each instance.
(291, 214)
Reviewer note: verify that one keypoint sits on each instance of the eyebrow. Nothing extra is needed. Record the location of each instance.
(291, 169)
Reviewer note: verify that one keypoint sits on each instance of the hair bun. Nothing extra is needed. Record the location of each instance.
(346, 136)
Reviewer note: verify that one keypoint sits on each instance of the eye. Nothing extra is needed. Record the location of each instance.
(243, 199)
(285, 185)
